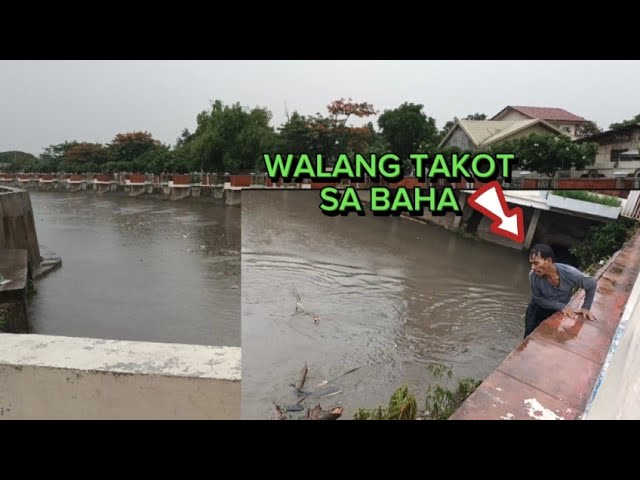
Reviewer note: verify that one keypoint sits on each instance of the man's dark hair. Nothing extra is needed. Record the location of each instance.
(543, 250)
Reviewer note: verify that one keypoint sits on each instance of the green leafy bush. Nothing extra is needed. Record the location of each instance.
(602, 241)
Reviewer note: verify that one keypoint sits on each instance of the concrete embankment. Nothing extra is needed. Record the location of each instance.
(21, 259)
(17, 226)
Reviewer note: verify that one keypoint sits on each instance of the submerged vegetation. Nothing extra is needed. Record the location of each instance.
(441, 402)
(402, 406)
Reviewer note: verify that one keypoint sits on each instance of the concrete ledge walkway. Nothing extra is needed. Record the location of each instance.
(50, 377)
(552, 373)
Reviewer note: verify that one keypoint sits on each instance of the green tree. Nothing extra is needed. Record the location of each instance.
(126, 147)
(18, 161)
(52, 156)
(295, 135)
(408, 130)
(548, 153)
(376, 143)
(350, 139)
(447, 126)
(589, 128)
(625, 123)
(328, 135)
(56, 152)
(227, 138)
(184, 138)
(155, 160)
(83, 153)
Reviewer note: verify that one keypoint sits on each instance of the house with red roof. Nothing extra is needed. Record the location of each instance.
(558, 117)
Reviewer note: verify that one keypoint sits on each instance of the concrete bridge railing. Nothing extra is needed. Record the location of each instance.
(51, 377)
(631, 208)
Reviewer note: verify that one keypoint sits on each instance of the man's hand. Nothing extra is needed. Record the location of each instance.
(585, 313)
(568, 312)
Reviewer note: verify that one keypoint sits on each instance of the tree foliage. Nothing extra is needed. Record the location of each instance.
(328, 135)
(447, 126)
(127, 147)
(227, 138)
(17, 161)
(476, 116)
(233, 138)
(408, 130)
(625, 123)
(82, 153)
(547, 154)
(295, 135)
(602, 241)
(589, 128)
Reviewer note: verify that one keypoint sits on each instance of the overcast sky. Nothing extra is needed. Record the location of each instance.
(48, 102)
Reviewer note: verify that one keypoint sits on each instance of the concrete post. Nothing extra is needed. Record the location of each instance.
(533, 224)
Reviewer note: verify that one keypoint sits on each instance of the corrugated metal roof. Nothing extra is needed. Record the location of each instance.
(487, 131)
(609, 133)
(519, 125)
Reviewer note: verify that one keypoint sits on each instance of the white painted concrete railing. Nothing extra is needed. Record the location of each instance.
(631, 207)
(50, 377)
(617, 391)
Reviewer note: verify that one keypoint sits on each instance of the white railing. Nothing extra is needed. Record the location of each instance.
(631, 208)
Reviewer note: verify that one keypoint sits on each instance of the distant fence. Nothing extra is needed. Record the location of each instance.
(260, 180)
(627, 183)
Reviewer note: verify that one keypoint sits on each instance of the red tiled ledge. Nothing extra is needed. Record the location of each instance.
(553, 371)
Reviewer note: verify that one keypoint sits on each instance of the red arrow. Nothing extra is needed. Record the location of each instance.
(489, 200)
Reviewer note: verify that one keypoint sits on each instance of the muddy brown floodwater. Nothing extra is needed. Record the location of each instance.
(138, 269)
(388, 296)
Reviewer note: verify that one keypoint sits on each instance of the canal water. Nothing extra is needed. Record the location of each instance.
(367, 303)
(138, 269)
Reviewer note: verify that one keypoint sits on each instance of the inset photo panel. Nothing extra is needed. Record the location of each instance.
(431, 316)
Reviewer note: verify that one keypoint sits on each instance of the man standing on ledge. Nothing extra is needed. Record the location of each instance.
(552, 285)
